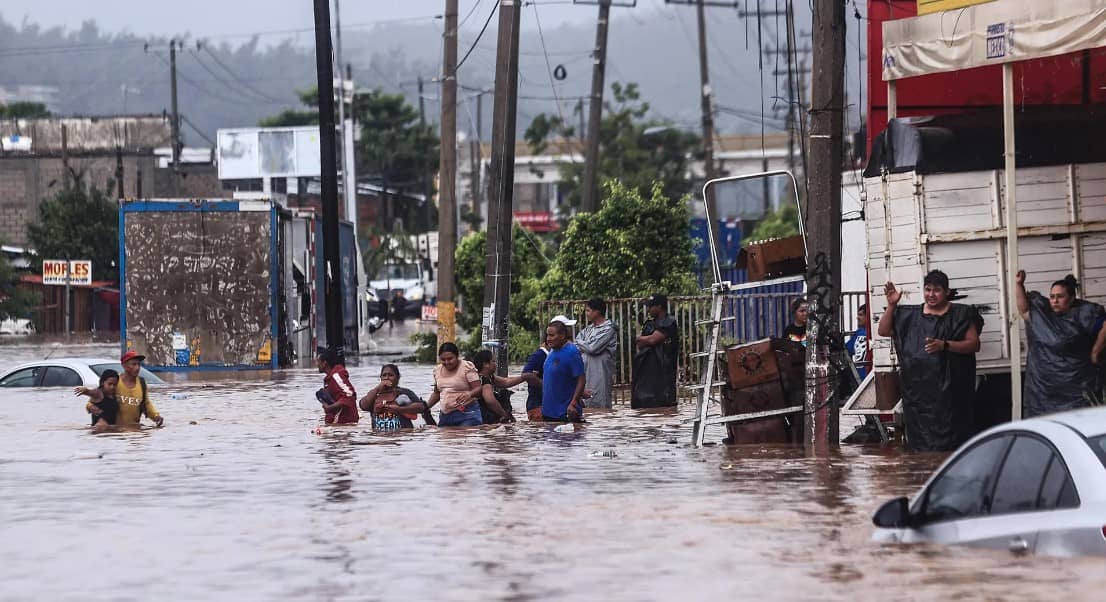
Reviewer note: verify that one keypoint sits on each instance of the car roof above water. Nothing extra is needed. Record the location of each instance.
(1089, 422)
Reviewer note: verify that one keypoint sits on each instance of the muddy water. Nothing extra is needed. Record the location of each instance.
(238, 498)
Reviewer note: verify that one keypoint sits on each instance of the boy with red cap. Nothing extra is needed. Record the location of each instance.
(337, 395)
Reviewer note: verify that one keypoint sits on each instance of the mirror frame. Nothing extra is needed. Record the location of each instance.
(762, 174)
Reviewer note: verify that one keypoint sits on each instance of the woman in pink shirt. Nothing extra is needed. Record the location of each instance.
(456, 386)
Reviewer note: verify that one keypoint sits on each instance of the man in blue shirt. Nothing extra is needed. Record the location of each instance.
(564, 377)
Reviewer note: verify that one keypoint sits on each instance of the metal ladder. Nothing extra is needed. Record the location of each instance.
(711, 380)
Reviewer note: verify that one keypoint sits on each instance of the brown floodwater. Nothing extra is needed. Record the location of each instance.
(239, 498)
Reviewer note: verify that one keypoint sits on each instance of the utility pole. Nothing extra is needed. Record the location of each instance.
(119, 172)
(707, 109)
(176, 116)
(324, 64)
(827, 146)
(447, 170)
(591, 161)
(66, 178)
(426, 192)
(793, 97)
(497, 275)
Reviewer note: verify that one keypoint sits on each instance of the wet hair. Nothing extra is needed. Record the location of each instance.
(597, 304)
(559, 327)
(937, 278)
(449, 348)
(329, 356)
(941, 279)
(106, 374)
(1070, 283)
(482, 358)
(392, 367)
(796, 304)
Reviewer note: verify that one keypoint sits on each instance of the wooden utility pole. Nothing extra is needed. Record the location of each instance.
(707, 109)
(426, 179)
(497, 275)
(478, 157)
(324, 64)
(176, 116)
(591, 161)
(447, 195)
(826, 148)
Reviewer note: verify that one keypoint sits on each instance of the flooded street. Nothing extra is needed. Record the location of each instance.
(238, 498)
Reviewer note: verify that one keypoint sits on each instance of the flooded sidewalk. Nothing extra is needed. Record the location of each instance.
(239, 498)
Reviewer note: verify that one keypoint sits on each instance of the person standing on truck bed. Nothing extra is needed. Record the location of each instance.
(1065, 342)
(936, 345)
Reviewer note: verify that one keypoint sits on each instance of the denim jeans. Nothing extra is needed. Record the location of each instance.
(469, 417)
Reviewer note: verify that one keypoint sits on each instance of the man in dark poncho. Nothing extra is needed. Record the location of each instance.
(654, 368)
(936, 345)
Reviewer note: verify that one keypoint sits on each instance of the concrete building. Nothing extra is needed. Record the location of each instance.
(35, 154)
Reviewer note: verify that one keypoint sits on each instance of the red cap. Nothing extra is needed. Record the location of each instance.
(131, 355)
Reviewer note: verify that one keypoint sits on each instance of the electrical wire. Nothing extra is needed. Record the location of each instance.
(219, 79)
(236, 77)
(487, 22)
(548, 66)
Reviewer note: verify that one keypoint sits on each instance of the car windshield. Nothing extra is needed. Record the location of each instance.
(398, 271)
(150, 377)
(1098, 444)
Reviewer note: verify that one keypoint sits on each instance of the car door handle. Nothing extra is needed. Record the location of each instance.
(1019, 545)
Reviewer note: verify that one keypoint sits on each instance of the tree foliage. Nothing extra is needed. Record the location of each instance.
(395, 149)
(14, 303)
(297, 117)
(78, 224)
(633, 149)
(527, 267)
(781, 223)
(635, 245)
(23, 110)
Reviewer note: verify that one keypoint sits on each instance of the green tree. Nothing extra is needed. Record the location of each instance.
(395, 149)
(633, 149)
(14, 303)
(75, 224)
(297, 117)
(781, 223)
(23, 110)
(633, 246)
(528, 263)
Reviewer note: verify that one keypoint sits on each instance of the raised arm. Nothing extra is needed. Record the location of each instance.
(1023, 299)
(887, 320)
(367, 402)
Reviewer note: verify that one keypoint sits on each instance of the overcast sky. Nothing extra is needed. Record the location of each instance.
(225, 17)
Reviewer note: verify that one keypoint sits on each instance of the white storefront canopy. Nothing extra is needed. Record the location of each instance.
(999, 32)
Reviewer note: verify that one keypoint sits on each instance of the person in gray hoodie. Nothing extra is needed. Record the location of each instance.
(598, 342)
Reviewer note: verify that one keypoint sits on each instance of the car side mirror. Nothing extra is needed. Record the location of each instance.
(895, 514)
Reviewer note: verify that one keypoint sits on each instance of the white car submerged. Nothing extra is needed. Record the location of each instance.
(66, 372)
(1033, 486)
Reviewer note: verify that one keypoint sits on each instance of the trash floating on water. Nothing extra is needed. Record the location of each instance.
(607, 453)
(499, 430)
(177, 396)
(566, 428)
(87, 456)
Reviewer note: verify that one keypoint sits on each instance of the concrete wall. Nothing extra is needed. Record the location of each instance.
(27, 179)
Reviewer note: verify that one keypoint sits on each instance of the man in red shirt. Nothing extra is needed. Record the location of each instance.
(337, 395)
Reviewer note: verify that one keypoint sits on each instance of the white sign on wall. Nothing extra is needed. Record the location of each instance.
(61, 272)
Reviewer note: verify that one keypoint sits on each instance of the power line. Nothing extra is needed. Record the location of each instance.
(235, 75)
(549, 68)
(495, 9)
(475, 7)
(222, 81)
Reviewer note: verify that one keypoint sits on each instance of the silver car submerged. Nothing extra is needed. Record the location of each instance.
(1033, 486)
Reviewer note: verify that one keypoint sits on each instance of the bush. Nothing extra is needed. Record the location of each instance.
(632, 247)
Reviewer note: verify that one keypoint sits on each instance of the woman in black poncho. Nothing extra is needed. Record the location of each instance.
(1060, 370)
(936, 345)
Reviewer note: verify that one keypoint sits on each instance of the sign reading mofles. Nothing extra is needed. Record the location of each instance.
(935, 6)
(55, 271)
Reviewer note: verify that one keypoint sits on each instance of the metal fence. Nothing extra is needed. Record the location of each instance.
(758, 313)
